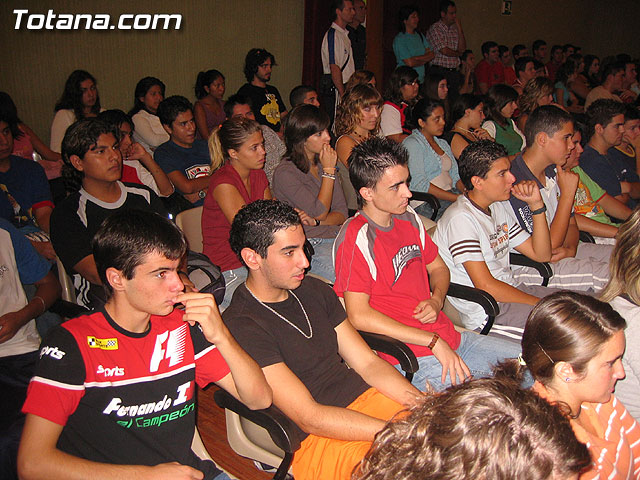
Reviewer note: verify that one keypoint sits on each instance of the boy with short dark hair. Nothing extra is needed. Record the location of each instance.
(303, 94)
(601, 161)
(114, 390)
(184, 159)
(475, 237)
(392, 278)
(549, 133)
(92, 170)
(296, 329)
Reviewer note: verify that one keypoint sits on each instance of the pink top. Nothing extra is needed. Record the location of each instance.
(215, 226)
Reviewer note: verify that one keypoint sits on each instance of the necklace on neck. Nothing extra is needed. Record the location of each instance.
(470, 132)
(360, 136)
(282, 316)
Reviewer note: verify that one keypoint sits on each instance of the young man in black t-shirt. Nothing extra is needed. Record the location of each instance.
(94, 164)
(267, 104)
(297, 331)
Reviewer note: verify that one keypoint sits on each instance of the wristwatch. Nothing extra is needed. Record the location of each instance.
(202, 193)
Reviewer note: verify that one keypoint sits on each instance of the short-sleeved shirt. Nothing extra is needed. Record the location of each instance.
(336, 50)
(393, 119)
(549, 192)
(266, 103)
(607, 170)
(19, 264)
(407, 45)
(78, 217)
(26, 189)
(215, 226)
(315, 360)
(488, 73)
(588, 196)
(467, 233)
(441, 36)
(192, 162)
(123, 397)
(300, 190)
(390, 265)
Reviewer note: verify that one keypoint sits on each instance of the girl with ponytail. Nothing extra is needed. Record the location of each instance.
(573, 346)
(237, 160)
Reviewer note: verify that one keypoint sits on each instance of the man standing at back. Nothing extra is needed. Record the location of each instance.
(358, 34)
(337, 56)
(447, 38)
(266, 102)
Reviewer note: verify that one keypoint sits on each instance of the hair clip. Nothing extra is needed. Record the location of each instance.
(521, 361)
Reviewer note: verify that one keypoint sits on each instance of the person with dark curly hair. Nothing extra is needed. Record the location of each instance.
(445, 436)
(266, 102)
(79, 99)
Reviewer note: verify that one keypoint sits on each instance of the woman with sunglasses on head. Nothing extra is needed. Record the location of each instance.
(401, 94)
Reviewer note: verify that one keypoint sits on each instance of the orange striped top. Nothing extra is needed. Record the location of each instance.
(615, 449)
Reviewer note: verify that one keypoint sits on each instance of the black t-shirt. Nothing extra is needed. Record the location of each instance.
(315, 361)
(267, 104)
(76, 220)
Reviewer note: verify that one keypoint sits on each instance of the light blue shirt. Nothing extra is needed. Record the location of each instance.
(424, 163)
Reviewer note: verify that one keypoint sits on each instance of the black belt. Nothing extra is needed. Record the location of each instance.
(450, 69)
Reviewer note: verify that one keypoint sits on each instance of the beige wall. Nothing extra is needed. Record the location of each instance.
(218, 33)
(214, 34)
(598, 27)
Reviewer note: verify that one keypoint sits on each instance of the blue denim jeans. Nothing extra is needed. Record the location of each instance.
(322, 261)
(479, 352)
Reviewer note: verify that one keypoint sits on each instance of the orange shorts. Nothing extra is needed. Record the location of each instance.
(321, 458)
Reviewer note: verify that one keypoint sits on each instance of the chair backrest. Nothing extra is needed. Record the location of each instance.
(68, 290)
(190, 222)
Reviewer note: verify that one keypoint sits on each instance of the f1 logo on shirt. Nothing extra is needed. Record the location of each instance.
(174, 349)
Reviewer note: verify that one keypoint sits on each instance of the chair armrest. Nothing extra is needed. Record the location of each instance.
(430, 199)
(67, 309)
(484, 299)
(586, 237)
(397, 349)
(279, 426)
(543, 268)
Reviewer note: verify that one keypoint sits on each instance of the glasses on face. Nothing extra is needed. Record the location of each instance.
(412, 84)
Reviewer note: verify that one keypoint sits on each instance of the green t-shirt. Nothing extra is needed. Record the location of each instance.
(588, 195)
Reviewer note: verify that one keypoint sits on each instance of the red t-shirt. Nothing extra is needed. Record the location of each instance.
(390, 265)
(215, 226)
(489, 74)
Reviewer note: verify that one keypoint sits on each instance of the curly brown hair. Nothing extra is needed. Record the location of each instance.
(349, 112)
(533, 91)
(486, 428)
